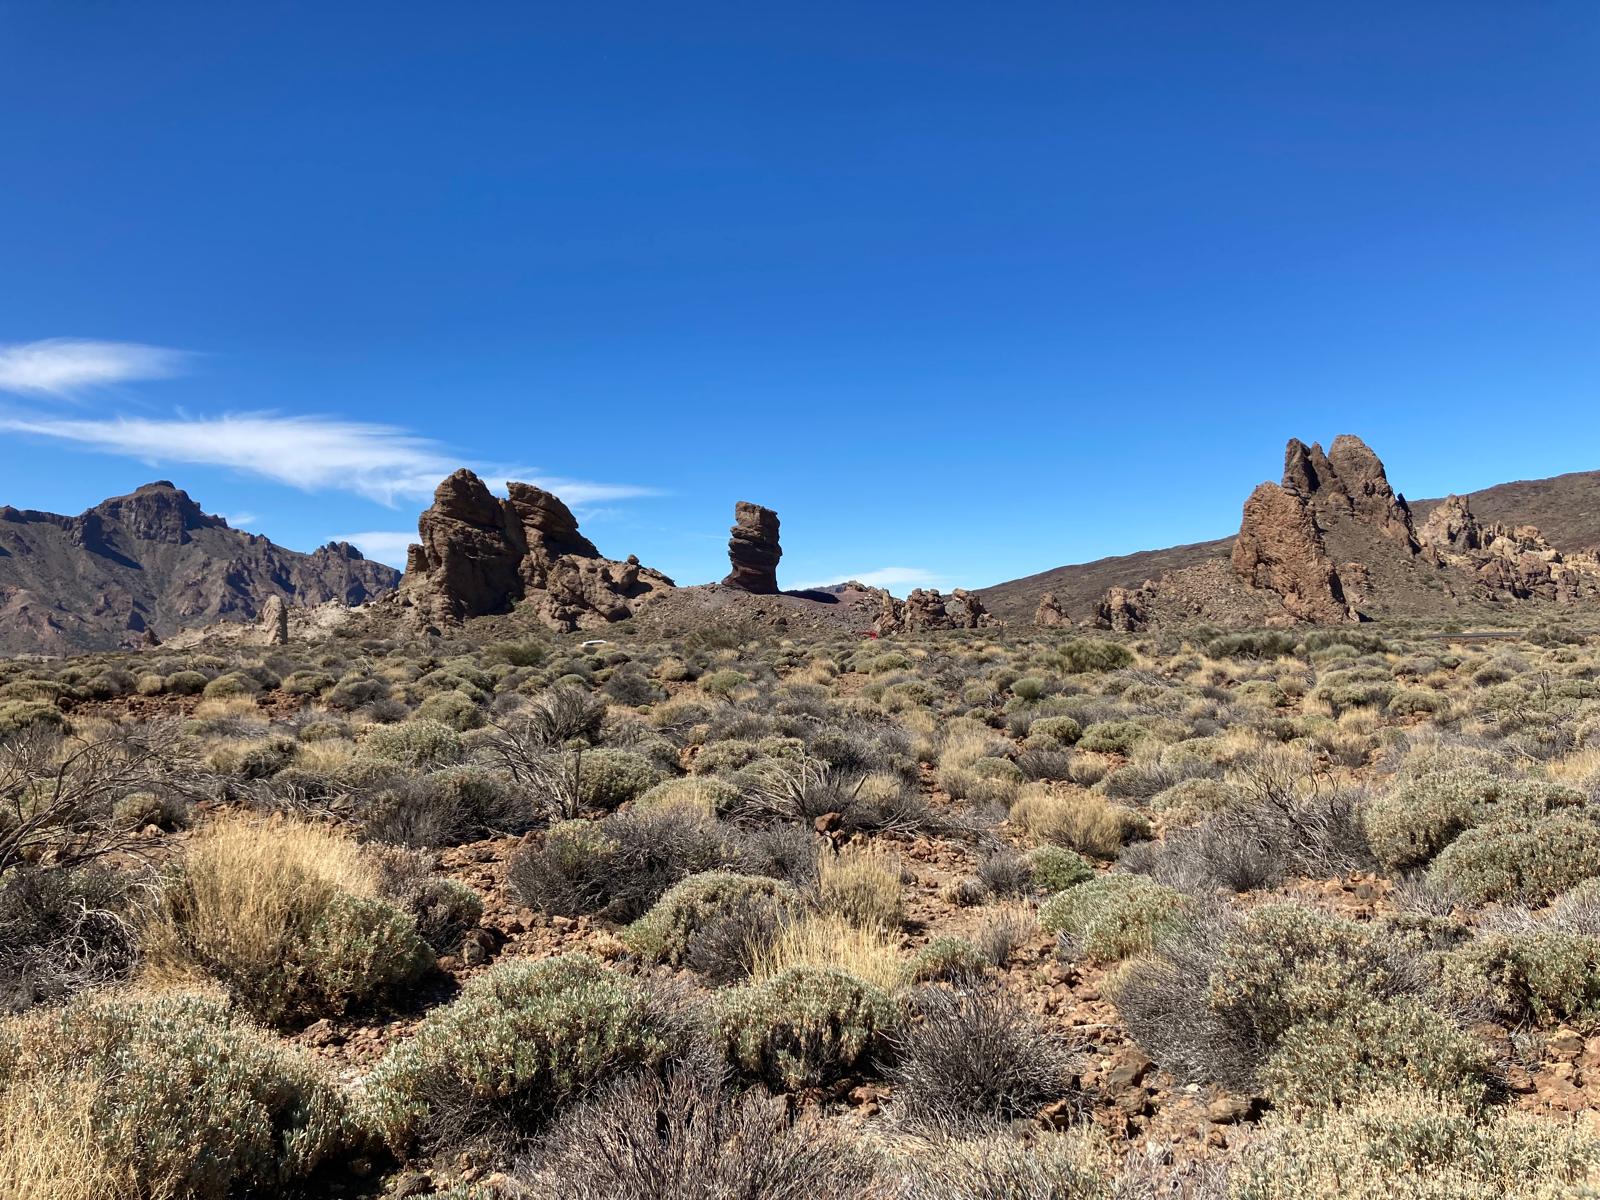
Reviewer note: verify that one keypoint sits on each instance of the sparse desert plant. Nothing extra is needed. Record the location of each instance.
(692, 1137)
(415, 744)
(520, 1043)
(65, 930)
(1002, 1166)
(1520, 858)
(126, 1096)
(1055, 868)
(805, 1027)
(978, 1060)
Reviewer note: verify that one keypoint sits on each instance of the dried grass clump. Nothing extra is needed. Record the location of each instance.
(1081, 821)
(829, 941)
(287, 916)
(862, 885)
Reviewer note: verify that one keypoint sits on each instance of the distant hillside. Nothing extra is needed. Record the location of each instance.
(154, 561)
(1566, 509)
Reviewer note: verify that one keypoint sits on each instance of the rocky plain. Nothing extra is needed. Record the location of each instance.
(1263, 869)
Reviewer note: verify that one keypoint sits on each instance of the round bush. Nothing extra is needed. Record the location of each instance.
(1367, 1047)
(520, 1043)
(167, 1095)
(1530, 859)
(665, 932)
(805, 1027)
(416, 743)
(1112, 916)
(455, 709)
(609, 778)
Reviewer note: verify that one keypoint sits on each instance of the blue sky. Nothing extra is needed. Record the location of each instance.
(964, 291)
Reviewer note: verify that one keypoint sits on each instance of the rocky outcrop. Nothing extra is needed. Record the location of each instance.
(1512, 562)
(1280, 549)
(1348, 481)
(927, 609)
(1051, 613)
(1125, 610)
(753, 550)
(153, 562)
(274, 623)
(478, 555)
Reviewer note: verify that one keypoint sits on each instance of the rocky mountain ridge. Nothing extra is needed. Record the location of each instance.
(146, 565)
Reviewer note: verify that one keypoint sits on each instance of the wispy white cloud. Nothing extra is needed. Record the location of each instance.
(884, 577)
(241, 519)
(383, 545)
(65, 367)
(381, 462)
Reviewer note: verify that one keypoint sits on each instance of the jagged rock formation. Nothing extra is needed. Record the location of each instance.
(1516, 562)
(753, 550)
(1280, 549)
(477, 555)
(1339, 507)
(274, 622)
(926, 609)
(1051, 612)
(1125, 610)
(152, 562)
(1348, 481)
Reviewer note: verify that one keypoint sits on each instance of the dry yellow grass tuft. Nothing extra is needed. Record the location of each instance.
(829, 940)
(1082, 821)
(248, 891)
(862, 885)
(48, 1149)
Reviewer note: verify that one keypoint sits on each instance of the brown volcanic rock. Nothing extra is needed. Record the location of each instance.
(1280, 549)
(154, 562)
(927, 609)
(1051, 612)
(1348, 481)
(753, 550)
(1126, 610)
(479, 555)
(1518, 563)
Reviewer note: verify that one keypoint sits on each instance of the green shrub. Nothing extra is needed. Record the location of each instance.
(521, 1042)
(805, 1027)
(306, 683)
(1113, 737)
(1112, 916)
(1423, 813)
(1286, 963)
(723, 683)
(415, 743)
(17, 716)
(231, 685)
(610, 778)
(1412, 1146)
(1415, 701)
(1365, 1047)
(185, 683)
(168, 1095)
(1055, 868)
(1529, 859)
(948, 959)
(455, 709)
(1082, 655)
(1545, 977)
(664, 934)
(1061, 730)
